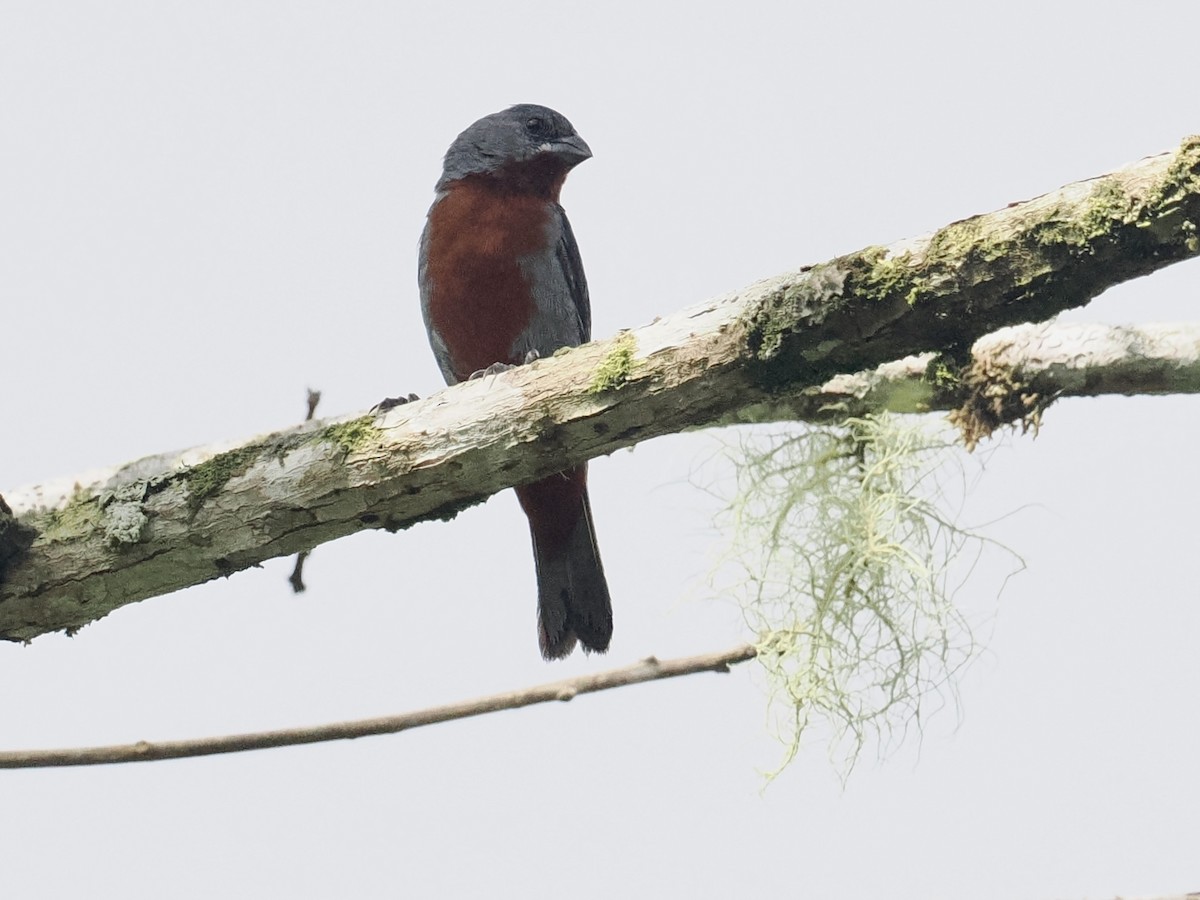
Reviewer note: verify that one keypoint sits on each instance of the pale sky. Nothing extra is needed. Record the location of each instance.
(206, 208)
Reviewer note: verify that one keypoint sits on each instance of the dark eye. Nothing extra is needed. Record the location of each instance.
(535, 125)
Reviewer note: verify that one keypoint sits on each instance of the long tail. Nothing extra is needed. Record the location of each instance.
(573, 599)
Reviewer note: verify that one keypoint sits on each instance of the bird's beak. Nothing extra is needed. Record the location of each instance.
(572, 150)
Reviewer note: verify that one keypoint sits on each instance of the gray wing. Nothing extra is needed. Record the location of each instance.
(562, 312)
(572, 264)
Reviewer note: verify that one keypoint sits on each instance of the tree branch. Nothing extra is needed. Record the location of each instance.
(1011, 377)
(650, 669)
(174, 520)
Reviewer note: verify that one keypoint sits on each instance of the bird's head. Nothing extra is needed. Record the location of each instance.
(525, 147)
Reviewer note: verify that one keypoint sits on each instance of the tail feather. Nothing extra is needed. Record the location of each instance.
(573, 600)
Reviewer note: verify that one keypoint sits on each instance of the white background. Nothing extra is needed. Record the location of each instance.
(207, 207)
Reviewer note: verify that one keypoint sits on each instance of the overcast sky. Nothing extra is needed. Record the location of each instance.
(207, 207)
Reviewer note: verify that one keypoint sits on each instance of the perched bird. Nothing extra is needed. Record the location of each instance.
(502, 283)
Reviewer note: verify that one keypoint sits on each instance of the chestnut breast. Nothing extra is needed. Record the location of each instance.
(476, 293)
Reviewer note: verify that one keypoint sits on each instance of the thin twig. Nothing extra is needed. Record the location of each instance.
(650, 669)
(296, 579)
(314, 397)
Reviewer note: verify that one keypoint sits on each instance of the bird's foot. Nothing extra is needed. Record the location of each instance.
(392, 402)
(498, 367)
(493, 369)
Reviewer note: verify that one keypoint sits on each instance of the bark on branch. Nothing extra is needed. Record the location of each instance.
(169, 521)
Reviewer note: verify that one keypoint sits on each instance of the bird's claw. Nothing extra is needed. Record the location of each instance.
(392, 402)
(493, 369)
(497, 367)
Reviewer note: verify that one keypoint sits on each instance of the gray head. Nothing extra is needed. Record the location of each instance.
(531, 146)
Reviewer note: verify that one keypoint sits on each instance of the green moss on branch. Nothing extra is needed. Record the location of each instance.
(616, 367)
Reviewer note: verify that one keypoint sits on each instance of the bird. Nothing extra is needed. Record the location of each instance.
(501, 283)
